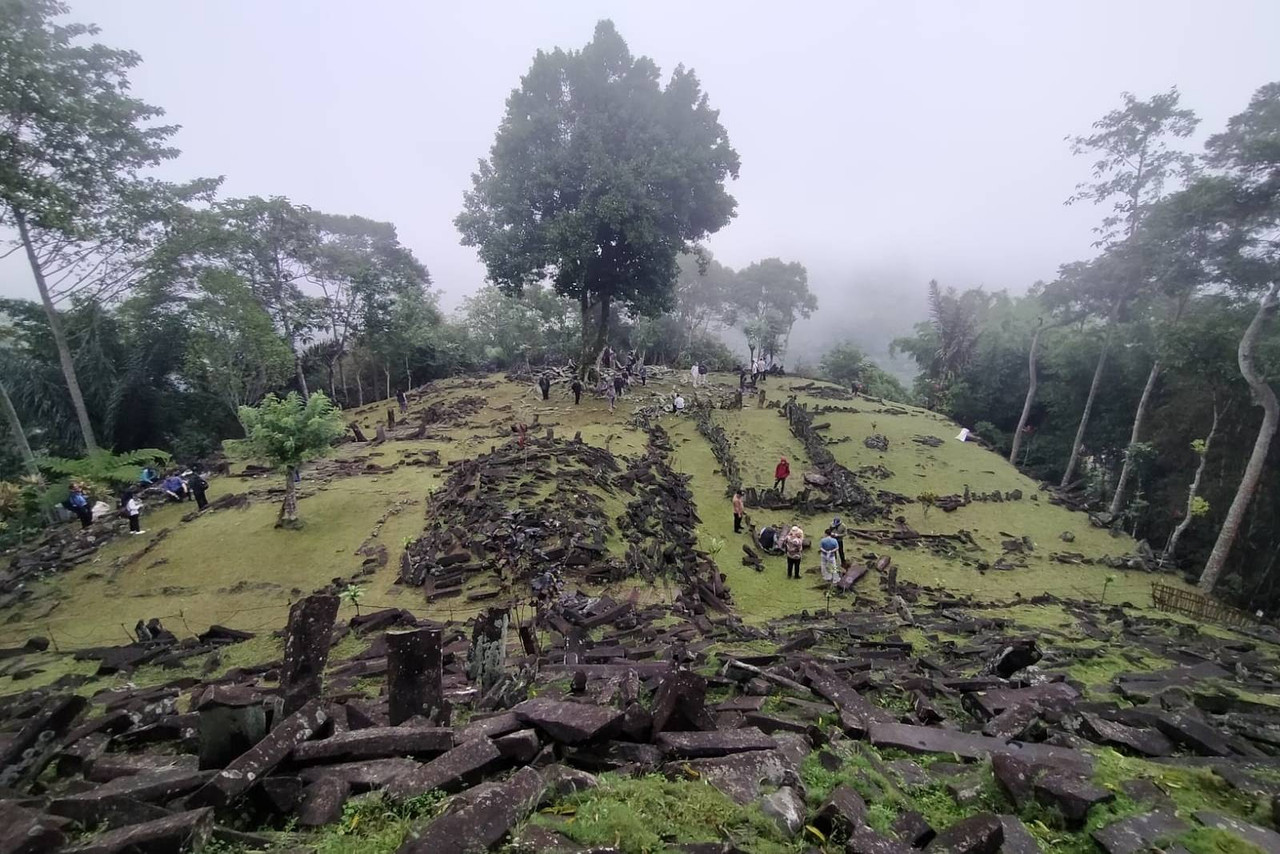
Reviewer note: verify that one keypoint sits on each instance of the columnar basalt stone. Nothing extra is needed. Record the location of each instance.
(414, 675)
(306, 650)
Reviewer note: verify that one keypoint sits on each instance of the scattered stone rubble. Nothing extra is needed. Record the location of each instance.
(627, 688)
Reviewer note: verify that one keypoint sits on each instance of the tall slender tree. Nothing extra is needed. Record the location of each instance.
(72, 141)
(1134, 162)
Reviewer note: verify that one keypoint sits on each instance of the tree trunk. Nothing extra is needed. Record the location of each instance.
(19, 435)
(289, 509)
(359, 386)
(1135, 436)
(59, 339)
(1093, 394)
(602, 334)
(342, 378)
(1265, 397)
(408, 373)
(1031, 395)
(386, 370)
(297, 357)
(333, 379)
(1171, 546)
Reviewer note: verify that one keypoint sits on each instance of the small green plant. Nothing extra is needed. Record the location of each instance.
(928, 500)
(1199, 446)
(1105, 584)
(1199, 507)
(353, 593)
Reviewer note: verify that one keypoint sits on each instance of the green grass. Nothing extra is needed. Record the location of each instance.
(650, 814)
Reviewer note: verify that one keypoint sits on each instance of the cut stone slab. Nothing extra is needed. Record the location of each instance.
(24, 831)
(151, 786)
(306, 650)
(843, 811)
(569, 723)
(490, 727)
(39, 735)
(679, 703)
(696, 745)
(1015, 777)
(375, 743)
(363, 776)
(449, 772)
(979, 834)
(857, 713)
(184, 831)
(787, 808)
(1017, 839)
(864, 840)
(919, 739)
(1147, 742)
(322, 801)
(1194, 734)
(111, 811)
(1140, 833)
(225, 731)
(483, 822)
(988, 704)
(739, 775)
(1266, 840)
(248, 769)
(1013, 722)
(414, 676)
(1072, 796)
(519, 747)
(562, 780)
(914, 829)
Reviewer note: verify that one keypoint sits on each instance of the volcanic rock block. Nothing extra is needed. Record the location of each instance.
(1140, 833)
(1264, 839)
(562, 781)
(375, 743)
(55, 718)
(1194, 734)
(520, 747)
(184, 831)
(979, 834)
(857, 713)
(1072, 796)
(1015, 777)
(227, 726)
(24, 831)
(491, 727)
(843, 811)
(919, 739)
(306, 649)
(1014, 656)
(1017, 839)
(363, 776)
(483, 822)
(787, 808)
(988, 704)
(111, 811)
(1148, 742)
(150, 786)
(569, 723)
(693, 745)
(1013, 722)
(414, 676)
(450, 772)
(322, 801)
(914, 829)
(864, 840)
(739, 775)
(249, 768)
(679, 703)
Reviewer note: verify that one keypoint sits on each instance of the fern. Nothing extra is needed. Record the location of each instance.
(106, 467)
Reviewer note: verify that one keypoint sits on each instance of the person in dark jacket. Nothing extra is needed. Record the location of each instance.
(78, 503)
(198, 486)
(403, 401)
(576, 388)
(544, 383)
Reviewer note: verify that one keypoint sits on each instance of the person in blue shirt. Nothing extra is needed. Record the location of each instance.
(175, 489)
(148, 476)
(829, 551)
(78, 503)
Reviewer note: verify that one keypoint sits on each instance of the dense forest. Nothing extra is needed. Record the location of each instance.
(1137, 380)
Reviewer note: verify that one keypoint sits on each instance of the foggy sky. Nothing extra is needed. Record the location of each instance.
(882, 144)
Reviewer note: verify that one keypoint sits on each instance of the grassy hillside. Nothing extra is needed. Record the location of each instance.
(233, 567)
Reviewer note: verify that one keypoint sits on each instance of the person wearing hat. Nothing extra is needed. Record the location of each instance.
(828, 552)
(838, 530)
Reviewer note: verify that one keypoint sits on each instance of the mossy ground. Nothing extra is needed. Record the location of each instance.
(235, 568)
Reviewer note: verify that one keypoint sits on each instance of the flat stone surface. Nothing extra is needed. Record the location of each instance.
(739, 775)
(1138, 833)
(1147, 742)
(993, 702)
(110, 810)
(786, 807)
(1267, 840)
(1073, 796)
(695, 745)
(679, 703)
(184, 831)
(24, 831)
(375, 743)
(449, 771)
(979, 834)
(322, 801)
(842, 812)
(248, 769)
(914, 829)
(491, 727)
(1017, 839)
(151, 786)
(1194, 734)
(569, 723)
(363, 776)
(484, 822)
(920, 739)
(857, 713)
(864, 840)
(1015, 777)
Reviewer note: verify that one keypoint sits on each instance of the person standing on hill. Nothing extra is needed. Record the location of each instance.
(793, 546)
(780, 474)
(133, 510)
(78, 503)
(619, 384)
(611, 394)
(837, 531)
(403, 401)
(576, 388)
(694, 375)
(644, 375)
(544, 383)
(198, 487)
(737, 511)
(828, 550)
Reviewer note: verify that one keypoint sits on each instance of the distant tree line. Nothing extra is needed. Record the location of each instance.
(1141, 376)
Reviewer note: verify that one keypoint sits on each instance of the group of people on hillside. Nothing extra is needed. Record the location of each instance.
(790, 540)
(175, 487)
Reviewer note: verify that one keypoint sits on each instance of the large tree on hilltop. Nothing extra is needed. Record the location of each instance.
(765, 299)
(1244, 199)
(598, 179)
(1134, 162)
(72, 141)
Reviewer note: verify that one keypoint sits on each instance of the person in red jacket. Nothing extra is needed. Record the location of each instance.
(780, 474)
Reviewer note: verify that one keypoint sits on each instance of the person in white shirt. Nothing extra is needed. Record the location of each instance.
(677, 405)
(133, 509)
(693, 372)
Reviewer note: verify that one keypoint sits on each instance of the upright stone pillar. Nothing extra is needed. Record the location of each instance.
(414, 677)
(306, 650)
